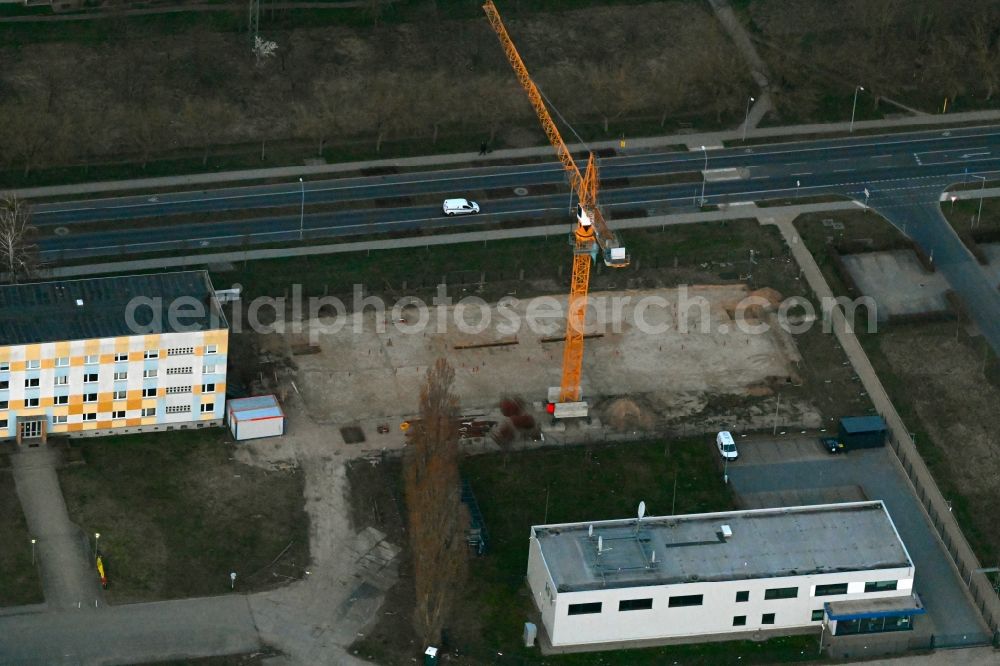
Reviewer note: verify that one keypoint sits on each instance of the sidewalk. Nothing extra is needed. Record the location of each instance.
(69, 579)
(632, 146)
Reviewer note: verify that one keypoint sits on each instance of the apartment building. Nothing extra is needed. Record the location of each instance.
(839, 569)
(113, 355)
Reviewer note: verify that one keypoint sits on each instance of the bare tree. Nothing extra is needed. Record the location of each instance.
(18, 254)
(437, 518)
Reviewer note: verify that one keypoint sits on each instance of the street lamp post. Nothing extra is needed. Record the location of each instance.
(302, 211)
(33, 551)
(704, 176)
(97, 538)
(982, 188)
(854, 108)
(746, 120)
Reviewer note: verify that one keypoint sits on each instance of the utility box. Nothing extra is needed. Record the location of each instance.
(862, 432)
(530, 634)
(256, 417)
(431, 656)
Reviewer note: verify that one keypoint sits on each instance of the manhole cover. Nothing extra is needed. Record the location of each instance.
(61, 231)
(521, 191)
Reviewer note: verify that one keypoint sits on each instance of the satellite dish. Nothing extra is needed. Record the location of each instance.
(642, 509)
(590, 531)
(600, 545)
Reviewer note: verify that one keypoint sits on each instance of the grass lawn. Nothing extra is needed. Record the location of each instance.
(176, 515)
(560, 485)
(19, 582)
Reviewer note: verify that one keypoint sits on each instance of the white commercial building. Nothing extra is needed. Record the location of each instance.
(705, 575)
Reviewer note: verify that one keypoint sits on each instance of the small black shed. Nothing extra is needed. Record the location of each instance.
(862, 432)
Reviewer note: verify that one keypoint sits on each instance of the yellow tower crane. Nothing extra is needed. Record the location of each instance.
(590, 233)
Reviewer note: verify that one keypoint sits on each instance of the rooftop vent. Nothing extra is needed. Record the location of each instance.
(79, 302)
(727, 532)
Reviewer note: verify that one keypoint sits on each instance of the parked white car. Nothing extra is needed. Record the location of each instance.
(459, 207)
(726, 445)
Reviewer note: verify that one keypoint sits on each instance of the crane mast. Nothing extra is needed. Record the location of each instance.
(591, 231)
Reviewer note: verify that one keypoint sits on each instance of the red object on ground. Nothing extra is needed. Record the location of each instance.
(550, 408)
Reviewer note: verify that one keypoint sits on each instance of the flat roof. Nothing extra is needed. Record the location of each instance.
(869, 608)
(863, 424)
(765, 543)
(92, 308)
(256, 408)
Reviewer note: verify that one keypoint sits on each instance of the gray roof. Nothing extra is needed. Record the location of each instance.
(765, 543)
(96, 307)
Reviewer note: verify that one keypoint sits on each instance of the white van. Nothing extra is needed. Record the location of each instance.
(459, 207)
(727, 447)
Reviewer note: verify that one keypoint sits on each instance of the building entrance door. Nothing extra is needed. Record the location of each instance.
(31, 432)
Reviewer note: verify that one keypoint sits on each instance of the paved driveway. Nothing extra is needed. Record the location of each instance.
(954, 619)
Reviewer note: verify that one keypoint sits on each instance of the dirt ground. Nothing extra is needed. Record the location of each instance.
(938, 376)
(668, 376)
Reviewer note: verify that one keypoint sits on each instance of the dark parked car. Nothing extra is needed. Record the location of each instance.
(831, 444)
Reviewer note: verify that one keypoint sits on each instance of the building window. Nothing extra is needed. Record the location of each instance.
(739, 620)
(180, 371)
(767, 618)
(635, 604)
(62, 362)
(3, 423)
(31, 382)
(62, 381)
(211, 349)
(90, 416)
(3, 404)
(121, 376)
(817, 615)
(91, 359)
(149, 393)
(781, 593)
(208, 370)
(121, 358)
(151, 353)
(61, 400)
(120, 414)
(178, 409)
(180, 351)
(90, 378)
(880, 585)
(173, 390)
(830, 590)
(90, 397)
(59, 420)
(742, 595)
(208, 408)
(31, 402)
(119, 395)
(151, 374)
(4, 366)
(149, 411)
(686, 600)
(208, 388)
(4, 384)
(33, 364)
(585, 609)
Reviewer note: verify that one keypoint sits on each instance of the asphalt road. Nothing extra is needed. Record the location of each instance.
(379, 204)
(900, 175)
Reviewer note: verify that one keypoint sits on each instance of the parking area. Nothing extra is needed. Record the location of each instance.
(797, 470)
